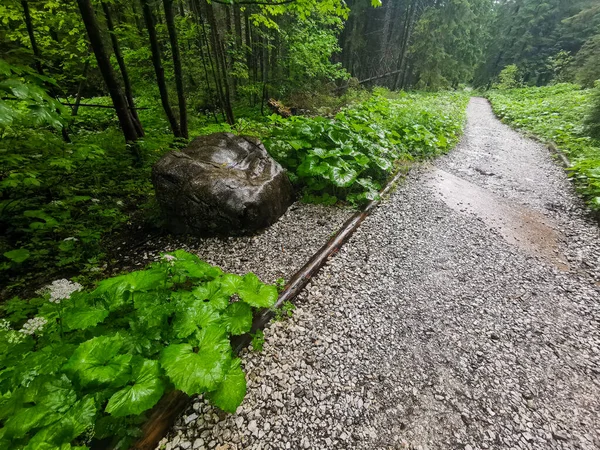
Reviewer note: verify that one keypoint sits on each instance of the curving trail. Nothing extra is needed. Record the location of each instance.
(463, 314)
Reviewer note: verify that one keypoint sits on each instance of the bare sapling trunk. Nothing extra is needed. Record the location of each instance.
(158, 68)
(168, 5)
(123, 69)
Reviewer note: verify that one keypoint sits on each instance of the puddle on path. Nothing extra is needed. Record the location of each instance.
(517, 224)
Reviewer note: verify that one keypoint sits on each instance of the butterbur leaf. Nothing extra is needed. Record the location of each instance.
(80, 314)
(145, 280)
(230, 283)
(194, 267)
(113, 290)
(231, 392)
(97, 362)
(58, 395)
(256, 293)
(27, 419)
(46, 361)
(382, 163)
(192, 315)
(5, 68)
(237, 318)
(18, 255)
(145, 392)
(342, 177)
(152, 308)
(142, 339)
(194, 373)
(212, 293)
(311, 166)
(70, 425)
(64, 446)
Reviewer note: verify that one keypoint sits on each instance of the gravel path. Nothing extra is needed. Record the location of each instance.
(463, 314)
(276, 252)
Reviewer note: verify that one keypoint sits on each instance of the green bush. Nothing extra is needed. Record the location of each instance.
(350, 156)
(557, 114)
(592, 119)
(508, 78)
(78, 366)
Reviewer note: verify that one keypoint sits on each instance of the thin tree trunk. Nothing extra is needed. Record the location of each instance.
(248, 40)
(221, 63)
(158, 68)
(402, 66)
(384, 48)
(218, 86)
(200, 40)
(168, 5)
(123, 69)
(237, 20)
(116, 94)
(80, 88)
(264, 68)
(37, 57)
(34, 47)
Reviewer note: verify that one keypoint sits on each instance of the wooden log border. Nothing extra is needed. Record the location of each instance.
(164, 413)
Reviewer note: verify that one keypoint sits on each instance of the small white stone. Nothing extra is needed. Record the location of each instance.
(190, 418)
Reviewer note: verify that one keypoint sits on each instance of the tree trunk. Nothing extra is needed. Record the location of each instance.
(407, 32)
(34, 47)
(80, 88)
(168, 5)
(220, 60)
(158, 68)
(218, 84)
(201, 39)
(248, 41)
(123, 69)
(117, 96)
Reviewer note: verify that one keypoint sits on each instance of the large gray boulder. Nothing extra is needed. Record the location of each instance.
(221, 184)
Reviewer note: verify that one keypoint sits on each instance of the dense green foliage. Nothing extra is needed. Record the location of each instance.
(78, 366)
(592, 120)
(59, 199)
(350, 156)
(548, 41)
(94, 92)
(62, 202)
(557, 114)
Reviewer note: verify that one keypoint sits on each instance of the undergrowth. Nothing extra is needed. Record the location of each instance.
(81, 366)
(557, 114)
(62, 203)
(349, 157)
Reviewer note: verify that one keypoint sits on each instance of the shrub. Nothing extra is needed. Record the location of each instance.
(78, 365)
(508, 78)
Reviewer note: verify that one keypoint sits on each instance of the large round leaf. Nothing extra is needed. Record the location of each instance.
(231, 392)
(97, 362)
(194, 373)
(257, 294)
(237, 318)
(146, 391)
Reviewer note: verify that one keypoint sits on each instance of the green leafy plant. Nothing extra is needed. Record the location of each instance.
(285, 311)
(280, 283)
(351, 156)
(81, 365)
(508, 78)
(258, 341)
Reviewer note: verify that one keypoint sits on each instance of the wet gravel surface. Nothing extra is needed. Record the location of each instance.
(429, 330)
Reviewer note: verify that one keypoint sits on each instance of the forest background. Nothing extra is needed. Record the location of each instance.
(93, 92)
